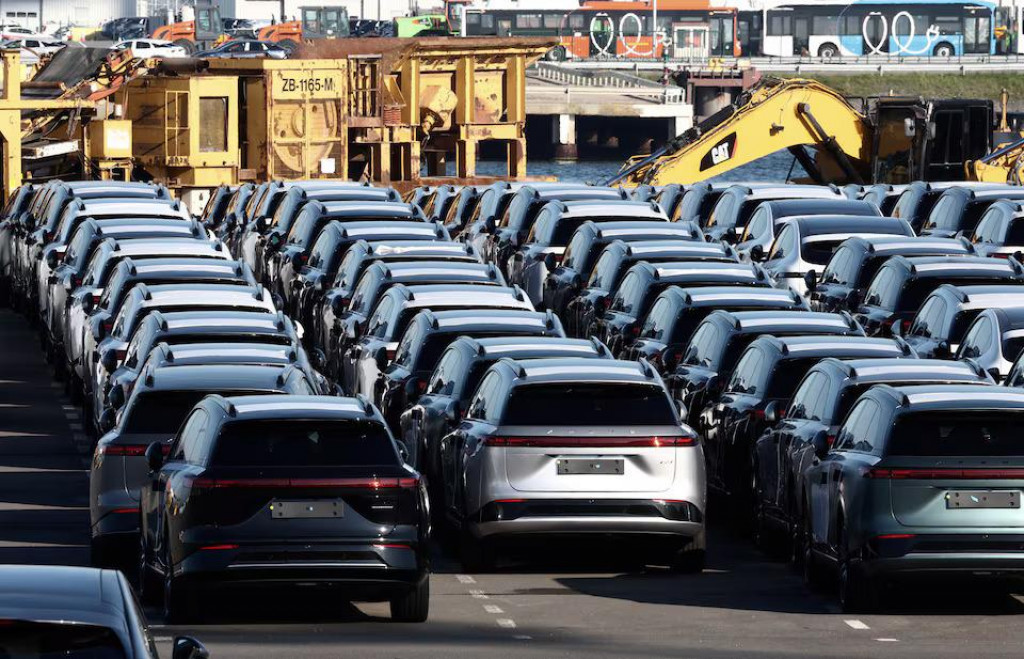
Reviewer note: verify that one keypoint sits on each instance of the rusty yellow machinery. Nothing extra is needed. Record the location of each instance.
(364, 109)
(888, 140)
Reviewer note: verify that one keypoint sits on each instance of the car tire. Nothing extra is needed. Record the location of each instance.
(181, 606)
(413, 606)
(475, 554)
(857, 591)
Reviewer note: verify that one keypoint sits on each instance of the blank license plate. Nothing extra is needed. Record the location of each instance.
(983, 499)
(321, 509)
(587, 466)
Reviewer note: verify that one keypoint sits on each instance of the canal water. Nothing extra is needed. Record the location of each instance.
(773, 168)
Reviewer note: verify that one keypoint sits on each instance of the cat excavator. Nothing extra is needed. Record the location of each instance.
(887, 139)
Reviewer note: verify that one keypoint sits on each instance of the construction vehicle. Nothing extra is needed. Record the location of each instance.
(202, 33)
(313, 23)
(888, 140)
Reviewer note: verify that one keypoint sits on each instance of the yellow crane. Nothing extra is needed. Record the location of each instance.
(887, 140)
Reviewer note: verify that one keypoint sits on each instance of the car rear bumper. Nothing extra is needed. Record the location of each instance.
(373, 568)
(579, 517)
(973, 553)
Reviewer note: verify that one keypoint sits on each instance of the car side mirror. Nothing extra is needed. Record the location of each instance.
(757, 253)
(771, 413)
(550, 261)
(186, 647)
(684, 413)
(942, 350)
(51, 259)
(821, 444)
(994, 372)
(155, 457)
(108, 419)
(109, 361)
(88, 302)
(297, 260)
(319, 359)
(490, 225)
(895, 327)
(260, 224)
(811, 280)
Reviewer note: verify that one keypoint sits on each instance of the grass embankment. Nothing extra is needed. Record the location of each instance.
(931, 85)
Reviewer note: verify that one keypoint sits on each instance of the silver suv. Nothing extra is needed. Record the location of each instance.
(572, 447)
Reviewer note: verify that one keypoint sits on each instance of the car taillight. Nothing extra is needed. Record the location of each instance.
(108, 326)
(942, 474)
(634, 330)
(421, 386)
(604, 304)
(999, 255)
(590, 442)
(895, 536)
(76, 281)
(206, 483)
(756, 413)
(218, 547)
(128, 450)
(390, 354)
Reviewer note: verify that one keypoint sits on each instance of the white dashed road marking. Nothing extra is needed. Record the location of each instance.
(507, 623)
(888, 640)
(856, 624)
(465, 578)
(478, 594)
(490, 608)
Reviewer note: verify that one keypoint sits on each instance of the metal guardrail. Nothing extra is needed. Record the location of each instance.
(880, 64)
(576, 81)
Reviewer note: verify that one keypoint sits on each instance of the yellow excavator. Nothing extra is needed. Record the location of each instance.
(887, 139)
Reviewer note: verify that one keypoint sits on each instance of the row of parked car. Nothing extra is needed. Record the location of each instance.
(337, 365)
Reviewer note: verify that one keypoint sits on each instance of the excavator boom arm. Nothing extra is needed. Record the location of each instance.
(775, 115)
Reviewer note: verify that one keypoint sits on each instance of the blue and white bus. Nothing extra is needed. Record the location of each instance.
(909, 28)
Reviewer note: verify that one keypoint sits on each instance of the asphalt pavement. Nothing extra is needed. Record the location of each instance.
(580, 600)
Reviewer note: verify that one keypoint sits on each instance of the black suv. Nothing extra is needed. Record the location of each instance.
(279, 490)
(721, 338)
(677, 312)
(430, 332)
(901, 285)
(563, 283)
(759, 390)
(618, 322)
(856, 261)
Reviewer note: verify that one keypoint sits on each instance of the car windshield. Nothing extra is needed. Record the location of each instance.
(589, 404)
(54, 640)
(309, 443)
(992, 433)
(161, 412)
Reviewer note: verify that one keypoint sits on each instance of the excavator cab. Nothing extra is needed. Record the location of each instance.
(919, 141)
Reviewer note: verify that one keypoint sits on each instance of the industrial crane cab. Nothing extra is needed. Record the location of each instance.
(918, 141)
(314, 23)
(201, 33)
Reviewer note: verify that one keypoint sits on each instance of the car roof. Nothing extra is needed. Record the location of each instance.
(897, 369)
(469, 320)
(639, 230)
(571, 369)
(799, 206)
(228, 377)
(747, 321)
(468, 294)
(715, 295)
(384, 249)
(689, 270)
(952, 397)
(817, 225)
(246, 408)
(189, 292)
(648, 248)
(881, 245)
(833, 346)
(182, 265)
(168, 246)
(943, 266)
(401, 269)
(620, 209)
(775, 191)
(983, 296)
(63, 594)
(1008, 318)
(381, 209)
(224, 353)
(570, 192)
(377, 230)
(517, 347)
(223, 321)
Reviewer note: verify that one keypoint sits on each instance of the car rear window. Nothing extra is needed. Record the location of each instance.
(52, 640)
(819, 252)
(992, 433)
(570, 404)
(158, 412)
(308, 443)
